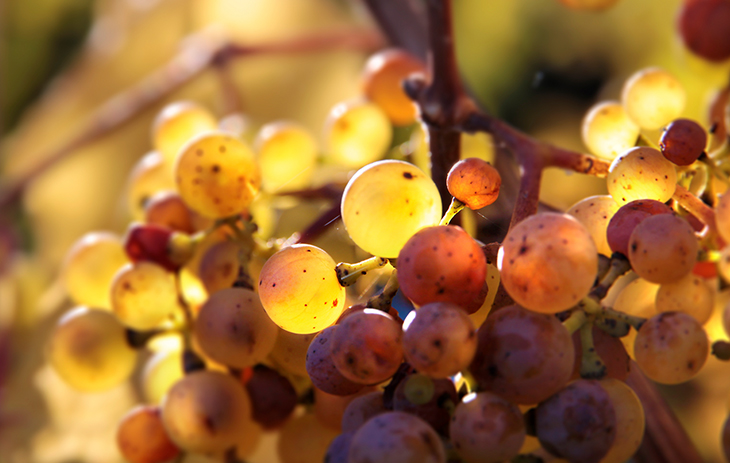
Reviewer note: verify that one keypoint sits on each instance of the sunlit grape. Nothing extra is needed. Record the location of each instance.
(357, 133)
(474, 182)
(167, 209)
(595, 212)
(690, 295)
(176, 124)
(290, 351)
(653, 97)
(385, 203)
(722, 216)
(144, 295)
(161, 371)
(608, 131)
(287, 153)
(641, 173)
(629, 421)
(624, 221)
(142, 438)
(149, 176)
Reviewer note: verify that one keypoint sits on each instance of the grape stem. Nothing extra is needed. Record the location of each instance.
(347, 274)
(593, 307)
(455, 207)
(577, 319)
(591, 364)
(619, 266)
(384, 300)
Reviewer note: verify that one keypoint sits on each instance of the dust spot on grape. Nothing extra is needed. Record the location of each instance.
(199, 152)
(216, 168)
(273, 285)
(222, 149)
(407, 175)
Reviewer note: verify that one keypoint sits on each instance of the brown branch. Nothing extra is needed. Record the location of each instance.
(320, 225)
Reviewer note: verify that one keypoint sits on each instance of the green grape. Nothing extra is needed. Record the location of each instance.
(653, 98)
(595, 212)
(385, 203)
(629, 421)
(690, 295)
(176, 124)
(357, 133)
(89, 350)
(217, 175)
(608, 131)
(287, 154)
(161, 371)
(90, 266)
(300, 290)
(149, 176)
(144, 295)
(142, 438)
(641, 173)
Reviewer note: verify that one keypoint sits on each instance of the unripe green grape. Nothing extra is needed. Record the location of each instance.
(150, 175)
(595, 212)
(690, 295)
(177, 123)
(144, 295)
(630, 421)
(385, 203)
(608, 131)
(287, 154)
(357, 133)
(641, 173)
(653, 98)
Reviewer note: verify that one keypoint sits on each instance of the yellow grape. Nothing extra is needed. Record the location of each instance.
(141, 437)
(663, 248)
(89, 350)
(653, 98)
(638, 299)
(629, 421)
(149, 176)
(90, 266)
(641, 173)
(287, 154)
(176, 124)
(588, 5)
(144, 295)
(217, 175)
(300, 290)
(690, 295)
(290, 352)
(160, 372)
(722, 216)
(219, 267)
(608, 131)
(385, 203)
(304, 440)
(594, 213)
(357, 133)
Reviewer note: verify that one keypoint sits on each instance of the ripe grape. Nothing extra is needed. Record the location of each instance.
(339, 449)
(627, 218)
(683, 141)
(641, 173)
(144, 295)
(548, 262)
(290, 351)
(304, 440)
(366, 347)
(474, 182)
(396, 437)
(718, 121)
(611, 350)
(653, 97)
(233, 328)
(722, 216)
(89, 350)
(638, 298)
(663, 248)
(329, 408)
(160, 372)
(383, 78)
(149, 176)
(300, 290)
(273, 397)
(433, 407)
(443, 264)
(385, 203)
(142, 438)
(629, 421)
(725, 438)
(703, 26)
(439, 339)
(486, 428)
(671, 347)
(204, 411)
(219, 267)
(167, 209)
(608, 131)
(523, 356)
(595, 212)
(177, 123)
(217, 175)
(361, 409)
(321, 367)
(287, 154)
(153, 243)
(357, 133)
(690, 295)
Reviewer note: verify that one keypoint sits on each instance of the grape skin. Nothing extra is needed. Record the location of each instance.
(610, 349)
(630, 421)
(703, 26)
(167, 209)
(177, 123)
(357, 132)
(690, 295)
(627, 218)
(219, 267)
(339, 448)
(287, 153)
(273, 397)
(435, 410)
(290, 351)
(149, 176)
(722, 216)
(608, 131)
(160, 372)
(361, 409)
(141, 437)
(641, 173)
(329, 408)
(304, 440)
(653, 97)
(595, 213)
(683, 141)
(322, 370)
(474, 182)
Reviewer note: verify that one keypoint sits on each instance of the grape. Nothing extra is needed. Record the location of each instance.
(690, 295)
(217, 175)
(167, 209)
(627, 218)
(357, 133)
(219, 267)
(396, 437)
(486, 428)
(671, 347)
(443, 264)
(653, 97)
(433, 407)
(339, 448)
(629, 421)
(88, 349)
(361, 409)
(595, 212)
(638, 298)
(149, 176)
(290, 352)
(548, 262)
(722, 216)
(144, 295)
(329, 408)
(578, 423)
(153, 243)
(299, 289)
(287, 154)
(141, 437)
(683, 141)
(591, 5)
(89, 268)
(439, 339)
(717, 119)
(608, 131)
(204, 411)
(663, 248)
(248, 440)
(161, 371)
(474, 182)
(304, 440)
(385, 203)
(321, 368)
(233, 328)
(523, 356)
(641, 173)
(383, 78)
(703, 26)
(273, 397)
(725, 438)
(366, 347)
(723, 263)
(610, 349)
(177, 123)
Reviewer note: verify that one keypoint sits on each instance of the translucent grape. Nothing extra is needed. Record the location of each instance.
(144, 295)
(304, 440)
(88, 349)
(219, 267)
(671, 347)
(290, 351)
(233, 328)
(149, 176)
(217, 175)
(299, 289)
(608, 131)
(590, 5)
(722, 216)
(638, 298)
(486, 428)
(273, 398)
(432, 408)
(361, 409)
(161, 371)
(167, 209)
(357, 133)
(683, 141)
(523, 356)
(718, 120)
(177, 123)
(321, 368)
(548, 262)
(287, 154)
(653, 97)
(439, 339)
(142, 438)
(474, 182)
(641, 173)
(595, 213)
(703, 26)
(624, 221)
(90, 266)
(385, 203)
(629, 421)
(690, 295)
(610, 349)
